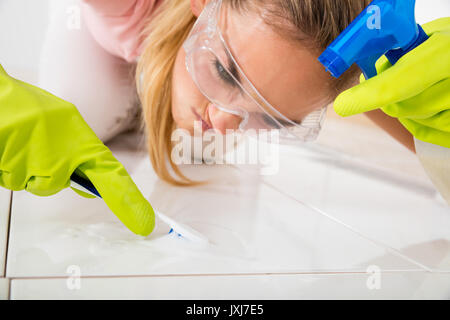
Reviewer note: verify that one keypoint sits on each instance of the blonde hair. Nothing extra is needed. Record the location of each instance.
(166, 33)
(313, 23)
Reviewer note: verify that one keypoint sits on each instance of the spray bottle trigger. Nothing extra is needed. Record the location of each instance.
(395, 55)
(368, 66)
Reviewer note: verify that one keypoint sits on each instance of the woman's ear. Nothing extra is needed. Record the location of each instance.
(197, 6)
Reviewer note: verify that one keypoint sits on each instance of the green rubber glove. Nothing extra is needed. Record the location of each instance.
(44, 139)
(416, 90)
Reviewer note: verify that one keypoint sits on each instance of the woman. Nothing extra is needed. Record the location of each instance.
(244, 65)
(288, 36)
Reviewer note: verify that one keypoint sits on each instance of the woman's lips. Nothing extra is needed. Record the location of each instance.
(205, 125)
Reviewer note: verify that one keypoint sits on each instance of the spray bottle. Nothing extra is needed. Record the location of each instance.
(385, 27)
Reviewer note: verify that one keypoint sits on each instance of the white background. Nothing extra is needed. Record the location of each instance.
(22, 25)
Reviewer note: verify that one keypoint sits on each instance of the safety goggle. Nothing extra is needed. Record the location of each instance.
(221, 80)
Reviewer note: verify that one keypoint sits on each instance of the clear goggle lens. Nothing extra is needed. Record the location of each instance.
(221, 80)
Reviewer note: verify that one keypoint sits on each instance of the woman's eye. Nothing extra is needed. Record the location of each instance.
(223, 73)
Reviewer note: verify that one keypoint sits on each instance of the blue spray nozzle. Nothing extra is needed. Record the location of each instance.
(385, 27)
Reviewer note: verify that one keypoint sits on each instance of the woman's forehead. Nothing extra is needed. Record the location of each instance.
(286, 74)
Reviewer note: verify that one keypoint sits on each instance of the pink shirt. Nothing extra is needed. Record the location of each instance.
(117, 24)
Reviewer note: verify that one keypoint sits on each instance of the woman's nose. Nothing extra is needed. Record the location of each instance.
(222, 120)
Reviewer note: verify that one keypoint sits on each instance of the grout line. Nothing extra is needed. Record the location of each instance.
(381, 173)
(306, 273)
(8, 228)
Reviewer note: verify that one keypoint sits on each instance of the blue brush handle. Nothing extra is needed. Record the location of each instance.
(395, 55)
(85, 184)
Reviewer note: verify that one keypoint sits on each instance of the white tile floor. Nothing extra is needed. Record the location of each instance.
(389, 208)
(304, 237)
(311, 231)
(4, 288)
(408, 285)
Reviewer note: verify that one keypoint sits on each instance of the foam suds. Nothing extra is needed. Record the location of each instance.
(182, 230)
